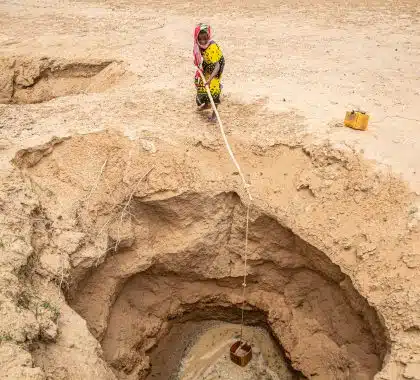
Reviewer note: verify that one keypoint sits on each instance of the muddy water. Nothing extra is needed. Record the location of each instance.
(200, 351)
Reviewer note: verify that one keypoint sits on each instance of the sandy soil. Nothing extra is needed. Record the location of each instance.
(293, 69)
(322, 59)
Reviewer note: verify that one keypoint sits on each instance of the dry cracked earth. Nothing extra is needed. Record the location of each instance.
(123, 218)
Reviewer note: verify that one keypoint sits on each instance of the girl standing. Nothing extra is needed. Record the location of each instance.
(209, 59)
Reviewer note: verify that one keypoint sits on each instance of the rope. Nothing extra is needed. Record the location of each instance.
(245, 269)
(222, 130)
(246, 188)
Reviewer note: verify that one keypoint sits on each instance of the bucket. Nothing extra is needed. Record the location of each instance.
(240, 353)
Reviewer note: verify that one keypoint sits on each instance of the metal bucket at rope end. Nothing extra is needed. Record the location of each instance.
(241, 353)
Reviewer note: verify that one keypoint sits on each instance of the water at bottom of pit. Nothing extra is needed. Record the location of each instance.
(200, 351)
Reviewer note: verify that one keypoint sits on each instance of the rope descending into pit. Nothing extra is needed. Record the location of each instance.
(245, 269)
(246, 188)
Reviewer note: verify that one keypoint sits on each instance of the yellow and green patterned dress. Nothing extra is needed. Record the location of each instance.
(211, 56)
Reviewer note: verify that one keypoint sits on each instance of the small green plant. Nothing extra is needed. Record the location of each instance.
(5, 338)
(46, 305)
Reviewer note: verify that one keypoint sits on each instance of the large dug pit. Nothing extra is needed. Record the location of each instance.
(311, 307)
(145, 246)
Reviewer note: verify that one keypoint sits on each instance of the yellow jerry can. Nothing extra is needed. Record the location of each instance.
(356, 120)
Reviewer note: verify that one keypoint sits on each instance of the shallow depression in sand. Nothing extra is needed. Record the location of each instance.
(27, 80)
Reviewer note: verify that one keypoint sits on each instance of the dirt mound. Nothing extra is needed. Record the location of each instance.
(36, 80)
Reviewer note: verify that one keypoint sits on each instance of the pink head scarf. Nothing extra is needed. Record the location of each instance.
(198, 58)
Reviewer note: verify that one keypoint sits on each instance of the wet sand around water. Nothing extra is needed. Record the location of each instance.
(200, 351)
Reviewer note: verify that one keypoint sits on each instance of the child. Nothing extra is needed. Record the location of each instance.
(209, 59)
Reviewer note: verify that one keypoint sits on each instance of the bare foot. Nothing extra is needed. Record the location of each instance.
(213, 118)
